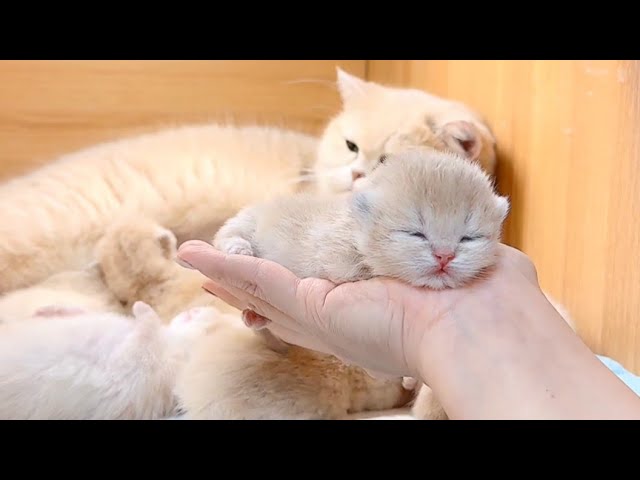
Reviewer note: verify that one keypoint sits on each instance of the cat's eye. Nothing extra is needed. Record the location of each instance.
(470, 239)
(418, 234)
(352, 146)
(383, 158)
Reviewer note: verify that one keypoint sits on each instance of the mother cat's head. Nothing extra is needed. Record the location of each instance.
(377, 120)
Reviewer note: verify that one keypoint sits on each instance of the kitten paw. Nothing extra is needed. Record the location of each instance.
(409, 383)
(167, 241)
(254, 321)
(238, 246)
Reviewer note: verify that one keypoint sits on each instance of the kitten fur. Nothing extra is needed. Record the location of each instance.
(96, 366)
(83, 289)
(414, 206)
(191, 179)
(236, 375)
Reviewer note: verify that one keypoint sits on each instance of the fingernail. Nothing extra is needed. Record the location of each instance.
(184, 264)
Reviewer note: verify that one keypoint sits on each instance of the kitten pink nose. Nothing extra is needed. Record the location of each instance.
(356, 174)
(444, 257)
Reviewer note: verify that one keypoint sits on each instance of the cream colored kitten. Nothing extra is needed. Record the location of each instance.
(193, 178)
(70, 364)
(236, 375)
(425, 217)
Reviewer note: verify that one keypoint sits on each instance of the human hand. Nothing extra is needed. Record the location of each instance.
(379, 324)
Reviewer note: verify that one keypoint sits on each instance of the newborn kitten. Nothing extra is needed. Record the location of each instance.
(429, 218)
(65, 363)
(425, 217)
(236, 375)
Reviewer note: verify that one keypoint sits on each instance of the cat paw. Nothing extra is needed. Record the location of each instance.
(254, 321)
(409, 383)
(238, 246)
(167, 241)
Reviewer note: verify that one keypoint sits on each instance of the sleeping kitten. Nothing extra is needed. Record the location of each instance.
(237, 375)
(425, 217)
(429, 218)
(175, 176)
(65, 363)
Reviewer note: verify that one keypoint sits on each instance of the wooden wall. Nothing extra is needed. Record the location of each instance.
(53, 107)
(567, 132)
(569, 138)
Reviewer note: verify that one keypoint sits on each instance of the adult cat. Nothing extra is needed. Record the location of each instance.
(191, 179)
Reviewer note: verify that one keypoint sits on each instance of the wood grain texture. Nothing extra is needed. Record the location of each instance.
(569, 158)
(52, 107)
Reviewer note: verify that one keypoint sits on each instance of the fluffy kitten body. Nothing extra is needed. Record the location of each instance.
(70, 364)
(191, 179)
(237, 375)
(416, 208)
(425, 217)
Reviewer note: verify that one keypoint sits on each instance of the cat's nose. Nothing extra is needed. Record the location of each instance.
(444, 257)
(356, 174)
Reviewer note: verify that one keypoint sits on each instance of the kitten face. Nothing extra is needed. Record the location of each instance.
(429, 218)
(378, 121)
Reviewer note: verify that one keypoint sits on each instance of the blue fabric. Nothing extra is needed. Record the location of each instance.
(632, 381)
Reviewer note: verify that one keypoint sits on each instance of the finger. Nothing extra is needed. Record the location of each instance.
(245, 301)
(260, 278)
(224, 295)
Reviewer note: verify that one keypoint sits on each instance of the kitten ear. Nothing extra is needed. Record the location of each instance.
(463, 137)
(503, 205)
(350, 86)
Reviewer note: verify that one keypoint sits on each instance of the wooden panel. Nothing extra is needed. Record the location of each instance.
(569, 159)
(53, 107)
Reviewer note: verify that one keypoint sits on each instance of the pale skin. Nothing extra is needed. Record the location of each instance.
(495, 349)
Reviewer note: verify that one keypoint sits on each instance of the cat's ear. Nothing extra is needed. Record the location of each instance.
(463, 137)
(503, 206)
(350, 86)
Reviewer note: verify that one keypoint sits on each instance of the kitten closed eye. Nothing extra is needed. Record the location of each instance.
(471, 238)
(417, 234)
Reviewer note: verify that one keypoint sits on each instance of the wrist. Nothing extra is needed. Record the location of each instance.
(515, 357)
